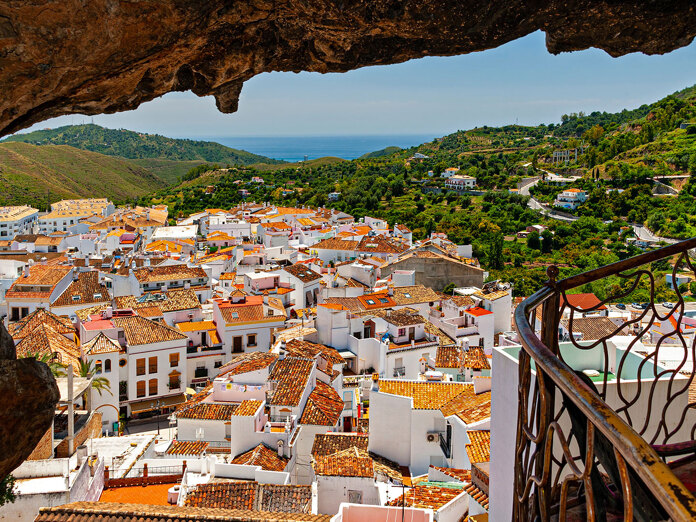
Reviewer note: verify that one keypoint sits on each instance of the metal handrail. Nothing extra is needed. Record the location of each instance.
(668, 490)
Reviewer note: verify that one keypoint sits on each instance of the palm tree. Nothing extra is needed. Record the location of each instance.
(87, 369)
(57, 369)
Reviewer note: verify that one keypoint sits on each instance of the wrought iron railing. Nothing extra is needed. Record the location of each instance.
(599, 444)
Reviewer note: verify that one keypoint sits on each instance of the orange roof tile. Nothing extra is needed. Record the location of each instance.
(262, 456)
(187, 447)
(479, 450)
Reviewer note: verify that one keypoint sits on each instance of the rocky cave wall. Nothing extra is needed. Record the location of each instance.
(102, 56)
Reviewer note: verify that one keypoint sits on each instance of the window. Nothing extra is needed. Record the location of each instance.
(217, 364)
(251, 340)
(407, 295)
(153, 365)
(122, 363)
(153, 386)
(14, 315)
(107, 366)
(98, 367)
(370, 301)
(354, 496)
(402, 331)
(173, 360)
(140, 367)
(174, 380)
(383, 300)
(347, 400)
(97, 296)
(141, 388)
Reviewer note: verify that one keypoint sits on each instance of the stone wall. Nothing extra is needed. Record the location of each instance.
(44, 449)
(437, 273)
(91, 430)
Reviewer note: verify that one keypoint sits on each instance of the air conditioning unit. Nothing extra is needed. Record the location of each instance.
(432, 437)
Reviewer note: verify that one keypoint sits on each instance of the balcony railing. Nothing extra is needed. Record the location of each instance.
(445, 444)
(604, 448)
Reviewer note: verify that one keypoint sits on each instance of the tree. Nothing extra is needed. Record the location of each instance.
(449, 289)
(495, 251)
(692, 287)
(87, 369)
(57, 369)
(533, 241)
(546, 241)
(7, 494)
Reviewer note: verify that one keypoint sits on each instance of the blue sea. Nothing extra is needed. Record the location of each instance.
(295, 148)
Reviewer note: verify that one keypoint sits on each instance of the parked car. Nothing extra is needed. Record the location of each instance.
(621, 306)
(667, 304)
(644, 306)
(636, 306)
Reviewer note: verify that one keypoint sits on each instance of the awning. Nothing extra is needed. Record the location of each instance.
(151, 404)
(346, 354)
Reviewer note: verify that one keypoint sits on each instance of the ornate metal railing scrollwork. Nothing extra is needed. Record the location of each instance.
(602, 446)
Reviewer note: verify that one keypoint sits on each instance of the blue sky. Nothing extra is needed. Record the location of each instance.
(518, 82)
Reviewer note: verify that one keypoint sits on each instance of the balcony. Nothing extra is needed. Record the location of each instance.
(618, 444)
(445, 444)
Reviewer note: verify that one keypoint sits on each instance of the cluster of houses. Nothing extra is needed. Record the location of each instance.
(274, 344)
(271, 363)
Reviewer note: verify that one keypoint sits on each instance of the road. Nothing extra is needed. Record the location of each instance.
(644, 234)
(535, 204)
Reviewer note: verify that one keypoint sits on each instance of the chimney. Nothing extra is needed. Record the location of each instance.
(26, 270)
(280, 449)
(108, 313)
(281, 351)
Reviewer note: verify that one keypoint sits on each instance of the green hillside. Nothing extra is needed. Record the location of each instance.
(137, 145)
(35, 175)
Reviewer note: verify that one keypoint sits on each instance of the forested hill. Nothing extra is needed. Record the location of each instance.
(136, 145)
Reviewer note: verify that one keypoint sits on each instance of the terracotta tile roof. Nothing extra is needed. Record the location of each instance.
(153, 274)
(462, 300)
(262, 456)
(187, 447)
(381, 245)
(117, 512)
(355, 462)
(302, 272)
(249, 310)
(83, 314)
(21, 329)
(139, 330)
(478, 495)
(428, 496)
(336, 244)
(407, 295)
(462, 475)
(426, 395)
(42, 275)
(324, 406)
(345, 303)
(448, 357)
(247, 408)
(330, 443)
(207, 411)
(247, 362)
(403, 317)
(476, 359)
(594, 328)
(469, 406)
(228, 276)
(291, 375)
(44, 340)
(479, 450)
(309, 350)
(581, 301)
(290, 499)
(101, 344)
(477, 311)
(166, 301)
(376, 300)
(86, 289)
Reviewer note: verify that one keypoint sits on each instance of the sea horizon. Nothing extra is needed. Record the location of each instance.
(295, 148)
